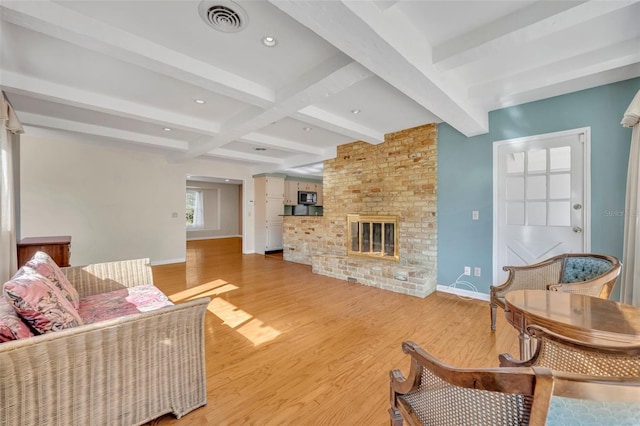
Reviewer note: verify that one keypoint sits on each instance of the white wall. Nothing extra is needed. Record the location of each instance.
(116, 202)
(220, 203)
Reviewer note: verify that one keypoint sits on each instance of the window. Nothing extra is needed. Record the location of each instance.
(195, 216)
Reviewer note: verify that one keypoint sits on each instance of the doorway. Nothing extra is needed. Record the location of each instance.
(213, 208)
(541, 190)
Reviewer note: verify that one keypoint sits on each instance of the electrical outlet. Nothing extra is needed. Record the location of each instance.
(476, 271)
(475, 215)
(467, 270)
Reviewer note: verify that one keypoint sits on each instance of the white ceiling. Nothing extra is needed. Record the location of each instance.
(125, 70)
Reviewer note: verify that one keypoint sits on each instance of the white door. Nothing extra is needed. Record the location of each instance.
(541, 204)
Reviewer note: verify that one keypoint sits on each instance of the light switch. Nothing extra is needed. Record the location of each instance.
(475, 215)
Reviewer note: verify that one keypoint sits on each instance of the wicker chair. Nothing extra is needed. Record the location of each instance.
(591, 274)
(569, 355)
(437, 394)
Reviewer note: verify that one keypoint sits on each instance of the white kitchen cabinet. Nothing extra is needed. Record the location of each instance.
(268, 206)
(275, 240)
(274, 187)
(306, 186)
(291, 192)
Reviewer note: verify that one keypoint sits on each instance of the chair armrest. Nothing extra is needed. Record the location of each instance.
(588, 288)
(599, 287)
(105, 277)
(506, 360)
(530, 277)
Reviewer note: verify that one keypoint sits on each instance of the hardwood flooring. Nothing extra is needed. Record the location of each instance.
(285, 346)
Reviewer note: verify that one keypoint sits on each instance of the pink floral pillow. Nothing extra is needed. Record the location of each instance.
(45, 266)
(39, 302)
(11, 326)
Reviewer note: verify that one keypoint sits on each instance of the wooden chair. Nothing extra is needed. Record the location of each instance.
(591, 274)
(561, 353)
(437, 394)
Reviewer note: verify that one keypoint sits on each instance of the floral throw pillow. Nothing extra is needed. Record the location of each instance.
(11, 326)
(39, 302)
(45, 266)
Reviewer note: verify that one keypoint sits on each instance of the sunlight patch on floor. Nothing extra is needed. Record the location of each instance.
(243, 322)
(211, 288)
(257, 332)
(228, 312)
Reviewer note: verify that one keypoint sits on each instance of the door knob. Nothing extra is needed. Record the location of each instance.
(577, 229)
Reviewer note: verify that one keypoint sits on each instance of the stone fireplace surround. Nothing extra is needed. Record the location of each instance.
(396, 177)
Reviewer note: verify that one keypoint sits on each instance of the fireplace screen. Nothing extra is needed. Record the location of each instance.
(372, 236)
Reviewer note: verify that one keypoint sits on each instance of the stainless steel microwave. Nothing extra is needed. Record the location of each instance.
(307, 197)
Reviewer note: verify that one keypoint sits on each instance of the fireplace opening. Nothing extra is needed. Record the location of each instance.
(374, 236)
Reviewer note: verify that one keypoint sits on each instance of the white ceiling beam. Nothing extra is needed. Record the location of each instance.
(37, 120)
(575, 67)
(293, 162)
(562, 88)
(323, 81)
(337, 123)
(371, 36)
(538, 54)
(66, 95)
(243, 156)
(525, 25)
(282, 144)
(66, 24)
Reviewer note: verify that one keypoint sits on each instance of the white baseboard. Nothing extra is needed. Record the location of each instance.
(168, 261)
(462, 292)
(214, 238)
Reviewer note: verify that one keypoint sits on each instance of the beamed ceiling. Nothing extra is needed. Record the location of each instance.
(126, 71)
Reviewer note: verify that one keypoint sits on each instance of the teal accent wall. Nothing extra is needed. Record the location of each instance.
(465, 175)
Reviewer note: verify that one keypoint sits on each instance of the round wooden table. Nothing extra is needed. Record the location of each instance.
(584, 318)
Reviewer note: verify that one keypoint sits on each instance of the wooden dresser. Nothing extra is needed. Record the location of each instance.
(59, 248)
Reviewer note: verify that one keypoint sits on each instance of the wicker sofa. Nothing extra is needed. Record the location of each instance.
(125, 371)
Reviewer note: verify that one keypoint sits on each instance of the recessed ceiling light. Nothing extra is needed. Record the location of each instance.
(166, 129)
(269, 41)
(259, 148)
(355, 111)
(307, 129)
(226, 180)
(200, 101)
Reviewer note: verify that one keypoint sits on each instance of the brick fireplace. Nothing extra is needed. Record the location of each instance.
(395, 178)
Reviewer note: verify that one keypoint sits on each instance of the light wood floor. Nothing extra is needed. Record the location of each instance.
(288, 347)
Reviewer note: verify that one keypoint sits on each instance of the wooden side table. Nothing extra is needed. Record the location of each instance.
(59, 248)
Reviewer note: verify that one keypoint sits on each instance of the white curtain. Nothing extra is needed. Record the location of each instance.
(11, 127)
(630, 287)
(198, 211)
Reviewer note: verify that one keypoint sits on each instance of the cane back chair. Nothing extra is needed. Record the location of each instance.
(584, 273)
(437, 394)
(562, 353)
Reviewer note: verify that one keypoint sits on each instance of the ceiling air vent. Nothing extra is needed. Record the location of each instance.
(223, 15)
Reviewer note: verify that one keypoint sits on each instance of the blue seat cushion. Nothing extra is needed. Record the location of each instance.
(577, 269)
(570, 412)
